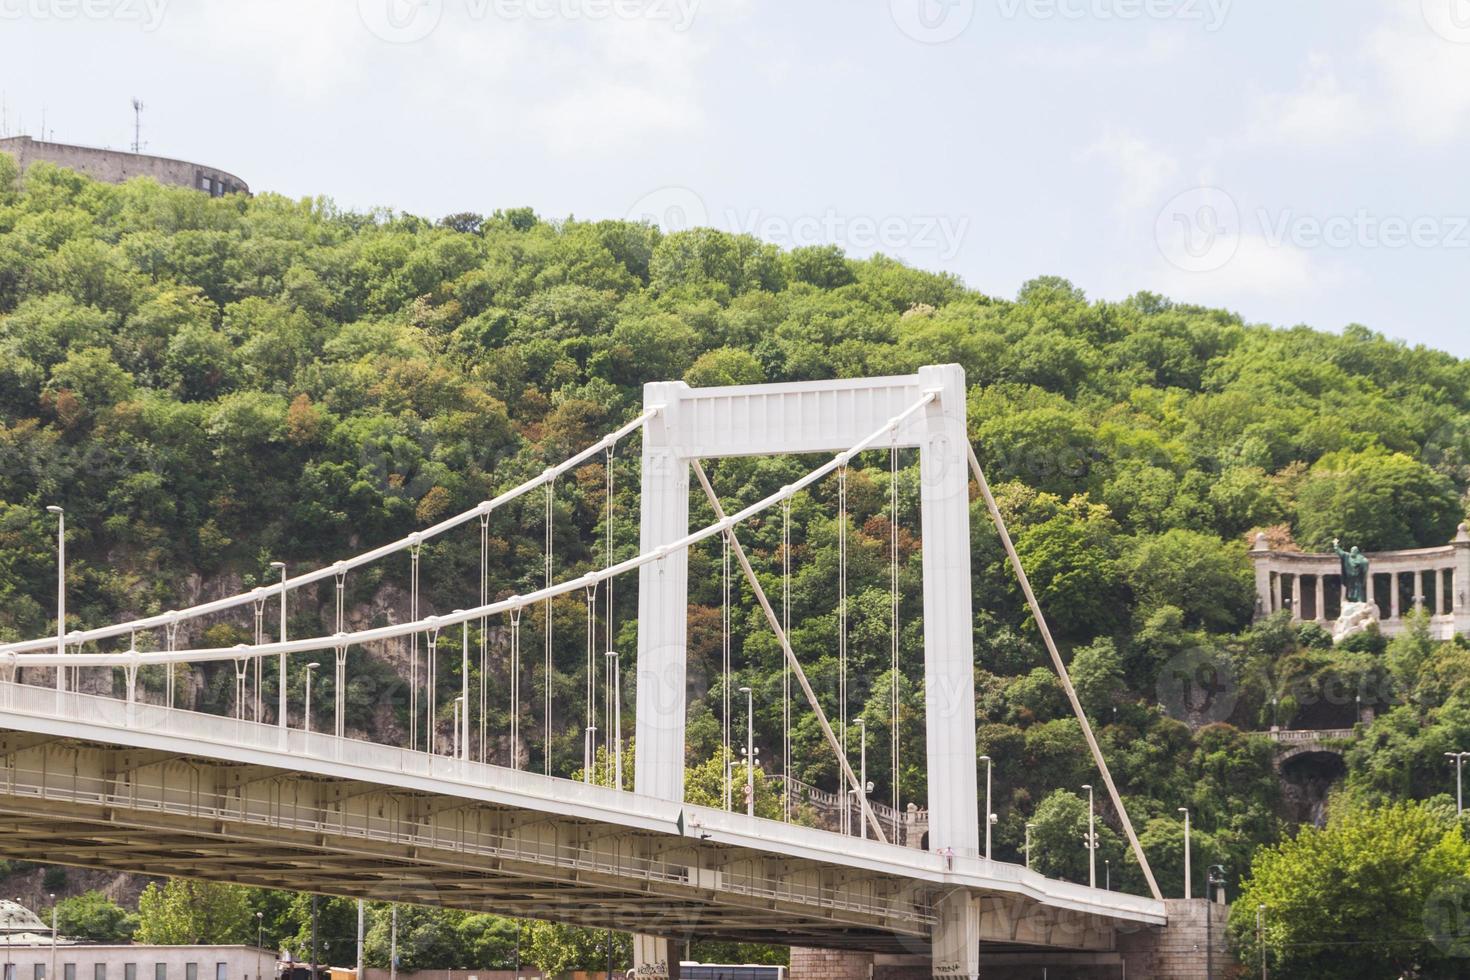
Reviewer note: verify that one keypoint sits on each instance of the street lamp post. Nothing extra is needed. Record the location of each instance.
(1108, 874)
(1028, 845)
(259, 941)
(310, 668)
(1091, 839)
(53, 933)
(749, 751)
(455, 715)
(1261, 936)
(863, 775)
(989, 816)
(281, 695)
(60, 592)
(1459, 758)
(1188, 890)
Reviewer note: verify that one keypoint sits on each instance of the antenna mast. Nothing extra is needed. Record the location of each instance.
(137, 125)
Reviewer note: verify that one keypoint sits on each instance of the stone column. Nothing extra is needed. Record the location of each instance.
(1373, 592)
(956, 950)
(1276, 592)
(1398, 588)
(1321, 616)
(1462, 580)
(1261, 558)
(1418, 588)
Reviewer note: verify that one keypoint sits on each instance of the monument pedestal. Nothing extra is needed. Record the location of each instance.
(1357, 617)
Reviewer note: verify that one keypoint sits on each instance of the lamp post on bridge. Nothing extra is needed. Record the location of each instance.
(60, 592)
(1028, 845)
(281, 695)
(309, 669)
(1188, 888)
(749, 751)
(1091, 839)
(459, 707)
(1459, 758)
(989, 815)
(863, 787)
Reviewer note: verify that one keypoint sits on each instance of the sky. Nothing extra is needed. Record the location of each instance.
(1298, 163)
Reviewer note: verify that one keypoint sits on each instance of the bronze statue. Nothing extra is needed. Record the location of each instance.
(1354, 572)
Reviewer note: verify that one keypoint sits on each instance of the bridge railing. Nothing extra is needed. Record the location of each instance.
(213, 730)
(1310, 735)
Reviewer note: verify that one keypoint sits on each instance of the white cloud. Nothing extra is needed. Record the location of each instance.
(1259, 269)
(1425, 77)
(1319, 112)
(1146, 173)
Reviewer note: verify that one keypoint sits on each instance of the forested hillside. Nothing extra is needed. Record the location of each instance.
(208, 385)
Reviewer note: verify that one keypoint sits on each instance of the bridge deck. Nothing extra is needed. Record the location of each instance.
(93, 781)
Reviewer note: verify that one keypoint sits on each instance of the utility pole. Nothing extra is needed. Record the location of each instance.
(359, 938)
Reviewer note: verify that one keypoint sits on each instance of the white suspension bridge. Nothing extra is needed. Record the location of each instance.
(129, 784)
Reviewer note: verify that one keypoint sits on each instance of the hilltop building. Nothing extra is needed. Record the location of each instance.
(116, 166)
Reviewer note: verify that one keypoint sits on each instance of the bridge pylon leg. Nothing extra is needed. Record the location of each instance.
(956, 943)
(654, 959)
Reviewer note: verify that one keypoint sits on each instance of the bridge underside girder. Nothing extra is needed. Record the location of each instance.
(46, 815)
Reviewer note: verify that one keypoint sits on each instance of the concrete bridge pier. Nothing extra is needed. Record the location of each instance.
(956, 946)
(655, 959)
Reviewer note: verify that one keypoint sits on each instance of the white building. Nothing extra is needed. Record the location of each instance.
(33, 953)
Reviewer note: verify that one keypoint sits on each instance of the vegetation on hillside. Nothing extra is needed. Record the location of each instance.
(208, 385)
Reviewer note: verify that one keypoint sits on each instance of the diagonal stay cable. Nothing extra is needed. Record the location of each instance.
(791, 661)
(1056, 659)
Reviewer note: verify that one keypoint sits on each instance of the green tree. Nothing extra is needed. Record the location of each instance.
(185, 912)
(1377, 893)
(93, 917)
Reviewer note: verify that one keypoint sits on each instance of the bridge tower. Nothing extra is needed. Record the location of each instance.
(818, 417)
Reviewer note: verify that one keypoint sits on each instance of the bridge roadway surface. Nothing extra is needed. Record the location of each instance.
(97, 782)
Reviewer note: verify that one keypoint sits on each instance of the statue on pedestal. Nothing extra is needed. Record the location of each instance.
(1358, 614)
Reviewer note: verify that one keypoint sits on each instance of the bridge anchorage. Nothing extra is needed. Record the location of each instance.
(137, 783)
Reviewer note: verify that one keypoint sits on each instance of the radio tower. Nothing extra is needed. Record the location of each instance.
(137, 125)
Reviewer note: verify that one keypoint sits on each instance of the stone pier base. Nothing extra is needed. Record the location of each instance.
(1177, 951)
